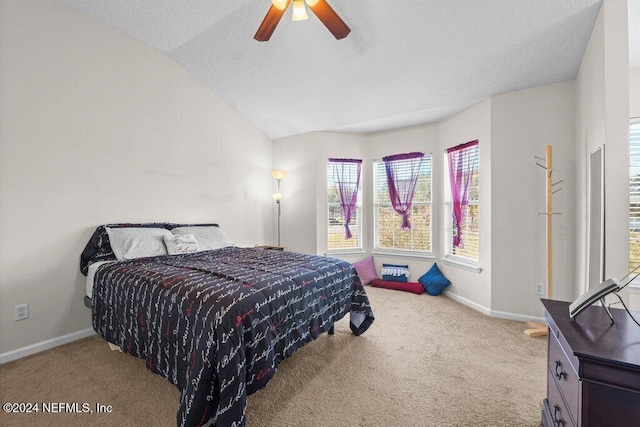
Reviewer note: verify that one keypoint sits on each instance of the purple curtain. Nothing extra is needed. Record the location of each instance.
(402, 177)
(346, 176)
(461, 167)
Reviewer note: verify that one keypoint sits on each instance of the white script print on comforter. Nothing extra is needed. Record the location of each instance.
(218, 323)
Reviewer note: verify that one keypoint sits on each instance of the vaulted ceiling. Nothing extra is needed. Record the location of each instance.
(404, 63)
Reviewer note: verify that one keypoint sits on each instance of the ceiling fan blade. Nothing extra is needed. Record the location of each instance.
(270, 23)
(330, 19)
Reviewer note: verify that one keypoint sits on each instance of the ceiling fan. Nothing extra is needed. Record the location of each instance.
(320, 8)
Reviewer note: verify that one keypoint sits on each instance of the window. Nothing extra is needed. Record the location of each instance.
(470, 226)
(634, 193)
(337, 241)
(389, 237)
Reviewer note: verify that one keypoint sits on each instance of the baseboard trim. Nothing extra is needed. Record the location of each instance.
(492, 313)
(516, 317)
(477, 307)
(44, 345)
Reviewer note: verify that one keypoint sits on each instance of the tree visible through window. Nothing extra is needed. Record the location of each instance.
(634, 193)
(389, 235)
(470, 226)
(337, 240)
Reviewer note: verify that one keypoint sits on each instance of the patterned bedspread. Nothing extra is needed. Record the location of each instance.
(218, 323)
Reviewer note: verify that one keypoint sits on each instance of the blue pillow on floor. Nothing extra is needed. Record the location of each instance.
(434, 281)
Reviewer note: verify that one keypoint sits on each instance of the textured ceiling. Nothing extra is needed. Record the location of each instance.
(404, 63)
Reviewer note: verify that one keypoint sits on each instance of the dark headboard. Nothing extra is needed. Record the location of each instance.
(99, 249)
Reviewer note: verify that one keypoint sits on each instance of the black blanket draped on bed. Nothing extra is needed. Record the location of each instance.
(218, 323)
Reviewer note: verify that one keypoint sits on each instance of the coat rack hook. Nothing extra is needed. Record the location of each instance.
(542, 166)
(562, 180)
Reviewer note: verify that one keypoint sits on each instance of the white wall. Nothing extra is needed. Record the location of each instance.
(574, 117)
(634, 92)
(590, 134)
(634, 111)
(304, 204)
(423, 138)
(602, 117)
(523, 123)
(512, 129)
(97, 127)
(304, 216)
(473, 123)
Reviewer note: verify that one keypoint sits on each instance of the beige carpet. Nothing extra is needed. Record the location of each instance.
(426, 361)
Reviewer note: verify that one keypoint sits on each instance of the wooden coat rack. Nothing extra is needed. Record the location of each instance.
(537, 329)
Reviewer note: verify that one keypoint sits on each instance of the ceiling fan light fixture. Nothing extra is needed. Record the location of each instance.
(280, 4)
(299, 11)
(320, 9)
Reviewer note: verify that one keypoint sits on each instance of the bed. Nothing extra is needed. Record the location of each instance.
(218, 322)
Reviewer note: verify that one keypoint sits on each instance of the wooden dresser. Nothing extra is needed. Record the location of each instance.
(593, 376)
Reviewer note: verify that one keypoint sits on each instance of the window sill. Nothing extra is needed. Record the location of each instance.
(345, 252)
(465, 265)
(403, 254)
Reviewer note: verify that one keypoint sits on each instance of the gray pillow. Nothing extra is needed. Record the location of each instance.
(181, 244)
(133, 242)
(208, 238)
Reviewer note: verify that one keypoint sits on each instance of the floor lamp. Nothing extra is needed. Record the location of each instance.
(278, 175)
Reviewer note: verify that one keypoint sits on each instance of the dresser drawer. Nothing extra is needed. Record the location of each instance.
(593, 368)
(564, 375)
(555, 331)
(560, 416)
(546, 417)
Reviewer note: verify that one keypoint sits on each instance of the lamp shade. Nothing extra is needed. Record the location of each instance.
(299, 11)
(278, 174)
(280, 4)
(277, 196)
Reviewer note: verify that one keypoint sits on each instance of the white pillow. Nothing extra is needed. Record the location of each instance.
(208, 237)
(135, 242)
(182, 244)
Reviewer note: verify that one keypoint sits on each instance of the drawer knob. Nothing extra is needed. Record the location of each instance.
(560, 374)
(557, 421)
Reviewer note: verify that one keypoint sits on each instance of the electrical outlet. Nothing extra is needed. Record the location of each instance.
(21, 312)
(538, 289)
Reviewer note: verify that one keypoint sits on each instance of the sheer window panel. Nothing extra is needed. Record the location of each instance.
(336, 241)
(470, 252)
(634, 193)
(388, 235)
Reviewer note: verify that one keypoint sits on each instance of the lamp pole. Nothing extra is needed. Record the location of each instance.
(278, 175)
(278, 202)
